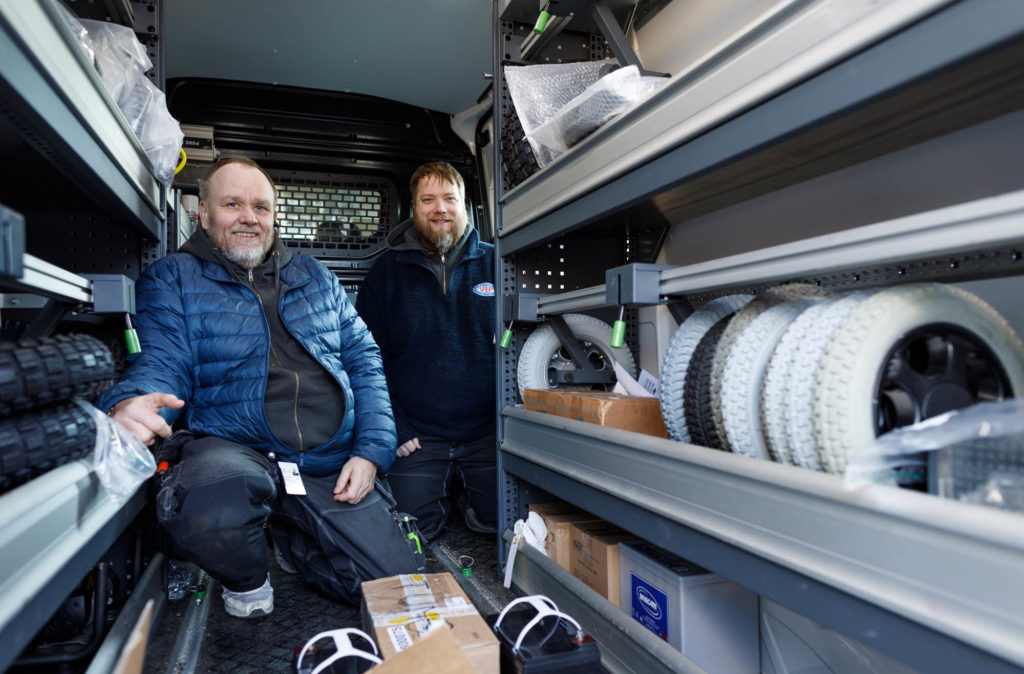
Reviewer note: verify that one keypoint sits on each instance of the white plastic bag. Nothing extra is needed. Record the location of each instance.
(121, 462)
(122, 63)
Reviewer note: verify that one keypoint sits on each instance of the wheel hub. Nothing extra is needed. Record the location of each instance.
(936, 369)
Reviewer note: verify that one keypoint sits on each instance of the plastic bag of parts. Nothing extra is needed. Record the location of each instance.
(540, 91)
(599, 103)
(121, 462)
(975, 454)
(122, 63)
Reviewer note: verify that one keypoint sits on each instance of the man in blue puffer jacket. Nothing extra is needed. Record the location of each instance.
(429, 301)
(285, 403)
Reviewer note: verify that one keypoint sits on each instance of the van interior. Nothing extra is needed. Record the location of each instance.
(783, 155)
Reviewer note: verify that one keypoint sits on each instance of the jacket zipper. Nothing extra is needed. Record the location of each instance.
(444, 274)
(273, 352)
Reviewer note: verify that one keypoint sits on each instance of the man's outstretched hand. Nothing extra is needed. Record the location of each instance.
(139, 415)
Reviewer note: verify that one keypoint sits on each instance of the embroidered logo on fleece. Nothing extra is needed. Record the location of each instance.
(484, 289)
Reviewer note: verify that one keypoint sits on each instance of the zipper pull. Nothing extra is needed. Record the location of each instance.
(250, 276)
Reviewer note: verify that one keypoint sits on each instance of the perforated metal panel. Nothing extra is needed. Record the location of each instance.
(335, 216)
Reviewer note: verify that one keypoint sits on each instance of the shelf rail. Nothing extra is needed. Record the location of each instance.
(993, 224)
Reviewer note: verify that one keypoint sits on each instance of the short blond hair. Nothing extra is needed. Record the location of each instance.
(437, 169)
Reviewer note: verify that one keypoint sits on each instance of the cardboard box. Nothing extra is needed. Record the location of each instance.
(436, 652)
(398, 610)
(557, 517)
(641, 415)
(594, 556)
(711, 620)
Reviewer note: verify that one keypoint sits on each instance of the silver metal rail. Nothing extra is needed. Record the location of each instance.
(994, 225)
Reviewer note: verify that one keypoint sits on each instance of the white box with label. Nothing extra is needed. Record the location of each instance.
(711, 620)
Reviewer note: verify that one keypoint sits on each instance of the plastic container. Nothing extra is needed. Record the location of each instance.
(709, 619)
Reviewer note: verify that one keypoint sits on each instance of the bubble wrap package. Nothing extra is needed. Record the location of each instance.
(598, 104)
(540, 91)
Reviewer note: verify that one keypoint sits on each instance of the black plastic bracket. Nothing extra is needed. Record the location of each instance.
(636, 284)
(521, 308)
(585, 373)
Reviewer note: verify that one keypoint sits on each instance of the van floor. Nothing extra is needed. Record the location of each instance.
(198, 636)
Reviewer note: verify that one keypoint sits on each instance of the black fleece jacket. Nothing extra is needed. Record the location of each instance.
(433, 318)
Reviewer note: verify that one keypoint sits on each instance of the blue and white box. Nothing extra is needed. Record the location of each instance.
(712, 621)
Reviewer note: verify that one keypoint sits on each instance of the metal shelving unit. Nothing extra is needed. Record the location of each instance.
(86, 189)
(890, 567)
(698, 141)
(52, 531)
(933, 583)
(56, 99)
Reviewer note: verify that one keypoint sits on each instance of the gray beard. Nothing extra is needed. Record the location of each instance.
(247, 260)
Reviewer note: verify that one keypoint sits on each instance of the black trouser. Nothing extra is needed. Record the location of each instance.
(423, 480)
(217, 498)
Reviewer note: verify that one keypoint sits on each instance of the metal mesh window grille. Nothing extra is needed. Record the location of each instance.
(333, 215)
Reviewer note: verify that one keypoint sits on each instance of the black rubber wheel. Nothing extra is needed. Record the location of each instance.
(517, 157)
(697, 389)
(35, 372)
(41, 440)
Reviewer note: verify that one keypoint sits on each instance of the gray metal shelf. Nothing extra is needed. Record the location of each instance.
(882, 83)
(57, 102)
(933, 583)
(53, 529)
(991, 230)
(626, 645)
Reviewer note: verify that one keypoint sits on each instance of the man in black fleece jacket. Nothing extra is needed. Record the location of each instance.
(429, 302)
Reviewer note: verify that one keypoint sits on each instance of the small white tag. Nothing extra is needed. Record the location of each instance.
(400, 638)
(292, 479)
(649, 382)
(511, 559)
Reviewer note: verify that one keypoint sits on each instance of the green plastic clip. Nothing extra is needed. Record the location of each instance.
(413, 537)
(618, 331)
(131, 338)
(542, 22)
(506, 337)
(467, 572)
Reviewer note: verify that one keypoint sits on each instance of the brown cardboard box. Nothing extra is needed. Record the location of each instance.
(641, 415)
(594, 556)
(436, 653)
(397, 611)
(557, 516)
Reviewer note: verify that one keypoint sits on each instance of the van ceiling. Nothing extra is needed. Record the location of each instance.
(431, 54)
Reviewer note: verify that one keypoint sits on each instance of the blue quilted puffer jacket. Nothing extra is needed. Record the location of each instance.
(205, 339)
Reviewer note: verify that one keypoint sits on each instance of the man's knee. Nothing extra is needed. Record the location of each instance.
(222, 502)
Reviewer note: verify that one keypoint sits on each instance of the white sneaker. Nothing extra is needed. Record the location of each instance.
(252, 604)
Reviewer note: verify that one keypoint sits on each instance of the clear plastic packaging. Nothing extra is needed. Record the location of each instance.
(599, 103)
(975, 455)
(540, 91)
(120, 461)
(181, 579)
(122, 63)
